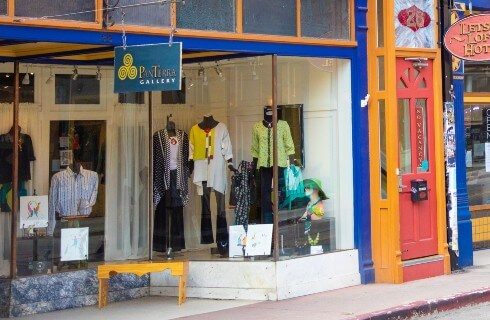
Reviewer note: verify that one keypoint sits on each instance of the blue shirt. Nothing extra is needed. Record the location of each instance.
(72, 195)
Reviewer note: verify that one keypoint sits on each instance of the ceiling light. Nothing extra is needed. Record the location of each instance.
(191, 84)
(74, 76)
(7, 75)
(98, 74)
(27, 79)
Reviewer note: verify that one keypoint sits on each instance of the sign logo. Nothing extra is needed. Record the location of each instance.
(127, 70)
(414, 18)
(154, 67)
(469, 38)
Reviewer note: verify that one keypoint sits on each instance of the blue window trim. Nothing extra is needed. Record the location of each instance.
(357, 55)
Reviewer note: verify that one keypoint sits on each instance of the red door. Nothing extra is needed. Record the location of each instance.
(418, 226)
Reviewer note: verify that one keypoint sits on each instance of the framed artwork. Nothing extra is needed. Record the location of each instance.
(74, 244)
(33, 211)
(414, 23)
(66, 157)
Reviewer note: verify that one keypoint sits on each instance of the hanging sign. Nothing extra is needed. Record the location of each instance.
(469, 38)
(154, 67)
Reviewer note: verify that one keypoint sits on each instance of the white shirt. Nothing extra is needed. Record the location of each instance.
(72, 194)
(174, 150)
(215, 171)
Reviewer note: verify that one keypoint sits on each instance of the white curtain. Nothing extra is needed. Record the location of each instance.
(129, 180)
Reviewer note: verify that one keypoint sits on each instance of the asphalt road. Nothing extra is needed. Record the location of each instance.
(476, 312)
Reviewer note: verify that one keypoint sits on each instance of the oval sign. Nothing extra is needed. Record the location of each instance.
(469, 38)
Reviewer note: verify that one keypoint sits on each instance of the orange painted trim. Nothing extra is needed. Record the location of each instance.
(173, 15)
(416, 52)
(239, 16)
(99, 14)
(11, 8)
(352, 20)
(58, 23)
(477, 98)
(298, 18)
(480, 207)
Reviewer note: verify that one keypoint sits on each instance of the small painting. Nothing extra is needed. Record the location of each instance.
(66, 157)
(33, 212)
(74, 244)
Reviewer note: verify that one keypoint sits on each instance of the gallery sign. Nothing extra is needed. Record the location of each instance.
(154, 67)
(469, 38)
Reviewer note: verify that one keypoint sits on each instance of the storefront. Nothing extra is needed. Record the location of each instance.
(408, 203)
(278, 97)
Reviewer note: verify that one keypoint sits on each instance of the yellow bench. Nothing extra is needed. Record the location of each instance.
(177, 268)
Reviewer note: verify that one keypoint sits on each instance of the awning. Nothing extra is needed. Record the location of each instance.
(82, 54)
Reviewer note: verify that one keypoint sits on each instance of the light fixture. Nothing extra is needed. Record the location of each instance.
(255, 76)
(202, 74)
(98, 74)
(27, 79)
(74, 76)
(219, 72)
(191, 83)
(7, 75)
(50, 78)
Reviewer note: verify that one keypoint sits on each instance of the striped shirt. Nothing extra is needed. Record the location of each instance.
(72, 194)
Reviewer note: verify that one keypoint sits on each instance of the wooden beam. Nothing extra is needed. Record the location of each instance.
(239, 16)
(15, 174)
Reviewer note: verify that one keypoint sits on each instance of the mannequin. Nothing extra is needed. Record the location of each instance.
(76, 205)
(262, 154)
(26, 156)
(211, 151)
(170, 189)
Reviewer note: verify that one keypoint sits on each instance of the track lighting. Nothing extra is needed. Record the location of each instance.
(74, 76)
(98, 74)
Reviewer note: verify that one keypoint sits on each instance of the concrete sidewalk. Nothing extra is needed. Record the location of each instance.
(360, 302)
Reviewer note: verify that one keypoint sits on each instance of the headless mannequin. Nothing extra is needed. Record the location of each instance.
(206, 124)
(75, 167)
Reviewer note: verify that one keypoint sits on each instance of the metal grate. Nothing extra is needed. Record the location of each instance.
(481, 229)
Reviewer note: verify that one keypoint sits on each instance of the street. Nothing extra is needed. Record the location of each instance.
(477, 312)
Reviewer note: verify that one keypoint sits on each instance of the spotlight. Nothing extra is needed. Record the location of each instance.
(74, 76)
(255, 76)
(191, 83)
(98, 74)
(26, 80)
(219, 72)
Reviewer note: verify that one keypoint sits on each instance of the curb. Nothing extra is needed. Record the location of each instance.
(407, 311)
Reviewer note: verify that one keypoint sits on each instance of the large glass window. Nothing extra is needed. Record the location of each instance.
(26, 87)
(325, 19)
(218, 15)
(316, 189)
(3, 7)
(77, 89)
(84, 194)
(154, 15)
(270, 17)
(79, 10)
(477, 77)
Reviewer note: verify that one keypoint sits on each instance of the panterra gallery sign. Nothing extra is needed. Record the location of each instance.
(469, 38)
(154, 67)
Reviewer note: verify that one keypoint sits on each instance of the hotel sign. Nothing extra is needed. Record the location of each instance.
(154, 67)
(469, 38)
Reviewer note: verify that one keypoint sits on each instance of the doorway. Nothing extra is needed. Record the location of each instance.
(416, 166)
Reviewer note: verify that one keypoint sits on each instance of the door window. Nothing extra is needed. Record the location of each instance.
(405, 145)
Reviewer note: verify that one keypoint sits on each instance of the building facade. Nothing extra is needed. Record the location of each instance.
(241, 58)
(406, 141)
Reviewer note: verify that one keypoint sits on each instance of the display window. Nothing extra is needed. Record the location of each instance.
(230, 167)
(83, 172)
(476, 77)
